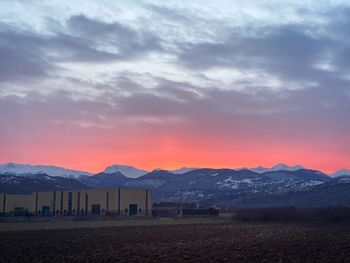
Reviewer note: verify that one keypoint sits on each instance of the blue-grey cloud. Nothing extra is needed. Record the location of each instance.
(284, 51)
(22, 56)
(125, 40)
(31, 55)
(290, 52)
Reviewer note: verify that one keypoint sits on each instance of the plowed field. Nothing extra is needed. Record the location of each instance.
(246, 242)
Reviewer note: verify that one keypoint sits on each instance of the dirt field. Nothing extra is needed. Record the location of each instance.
(253, 242)
(69, 224)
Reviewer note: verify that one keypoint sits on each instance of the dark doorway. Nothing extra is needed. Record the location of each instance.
(132, 209)
(19, 211)
(95, 209)
(45, 210)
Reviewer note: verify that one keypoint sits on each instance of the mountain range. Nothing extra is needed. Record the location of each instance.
(130, 171)
(18, 169)
(260, 186)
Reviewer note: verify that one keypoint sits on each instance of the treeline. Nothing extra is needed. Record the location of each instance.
(285, 214)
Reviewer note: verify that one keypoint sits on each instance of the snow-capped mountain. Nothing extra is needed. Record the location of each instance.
(284, 167)
(277, 167)
(259, 169)
(19, 169)
(224, 185)
(128, 171)
(220, 180)
(183, 170)
(341, 173)
(279, 185)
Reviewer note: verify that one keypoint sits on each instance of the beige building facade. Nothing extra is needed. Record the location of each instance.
(111, 201)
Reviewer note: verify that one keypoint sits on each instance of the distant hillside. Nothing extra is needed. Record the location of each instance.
(40, 182)
(115, 179)
(302, 187)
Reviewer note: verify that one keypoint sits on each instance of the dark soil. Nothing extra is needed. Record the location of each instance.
(245, 242)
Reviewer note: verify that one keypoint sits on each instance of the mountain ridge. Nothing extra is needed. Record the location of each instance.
(14, 168)
(133, 172)
(127, 170)
(206, 185)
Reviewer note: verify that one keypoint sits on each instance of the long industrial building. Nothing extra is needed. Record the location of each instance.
(114, 201)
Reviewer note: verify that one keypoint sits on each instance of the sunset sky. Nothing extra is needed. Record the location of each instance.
(87, 84)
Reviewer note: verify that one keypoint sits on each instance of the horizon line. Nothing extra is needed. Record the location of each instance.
(170, 169)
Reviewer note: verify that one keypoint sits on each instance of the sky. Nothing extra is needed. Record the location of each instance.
(200, 83)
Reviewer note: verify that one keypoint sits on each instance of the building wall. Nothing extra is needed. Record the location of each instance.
(97, 197)
(45, 200)
(107, 199)
(135, 196)
(115, 201)
(58, 203)
(77, 202)
(65, 202)
(27, 202)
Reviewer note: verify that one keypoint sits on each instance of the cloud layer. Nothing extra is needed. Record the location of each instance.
(162, 84)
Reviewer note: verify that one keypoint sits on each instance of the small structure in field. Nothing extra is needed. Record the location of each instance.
(170, 209)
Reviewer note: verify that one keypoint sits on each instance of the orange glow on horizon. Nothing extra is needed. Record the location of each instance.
(149, 149)
(172, 156)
